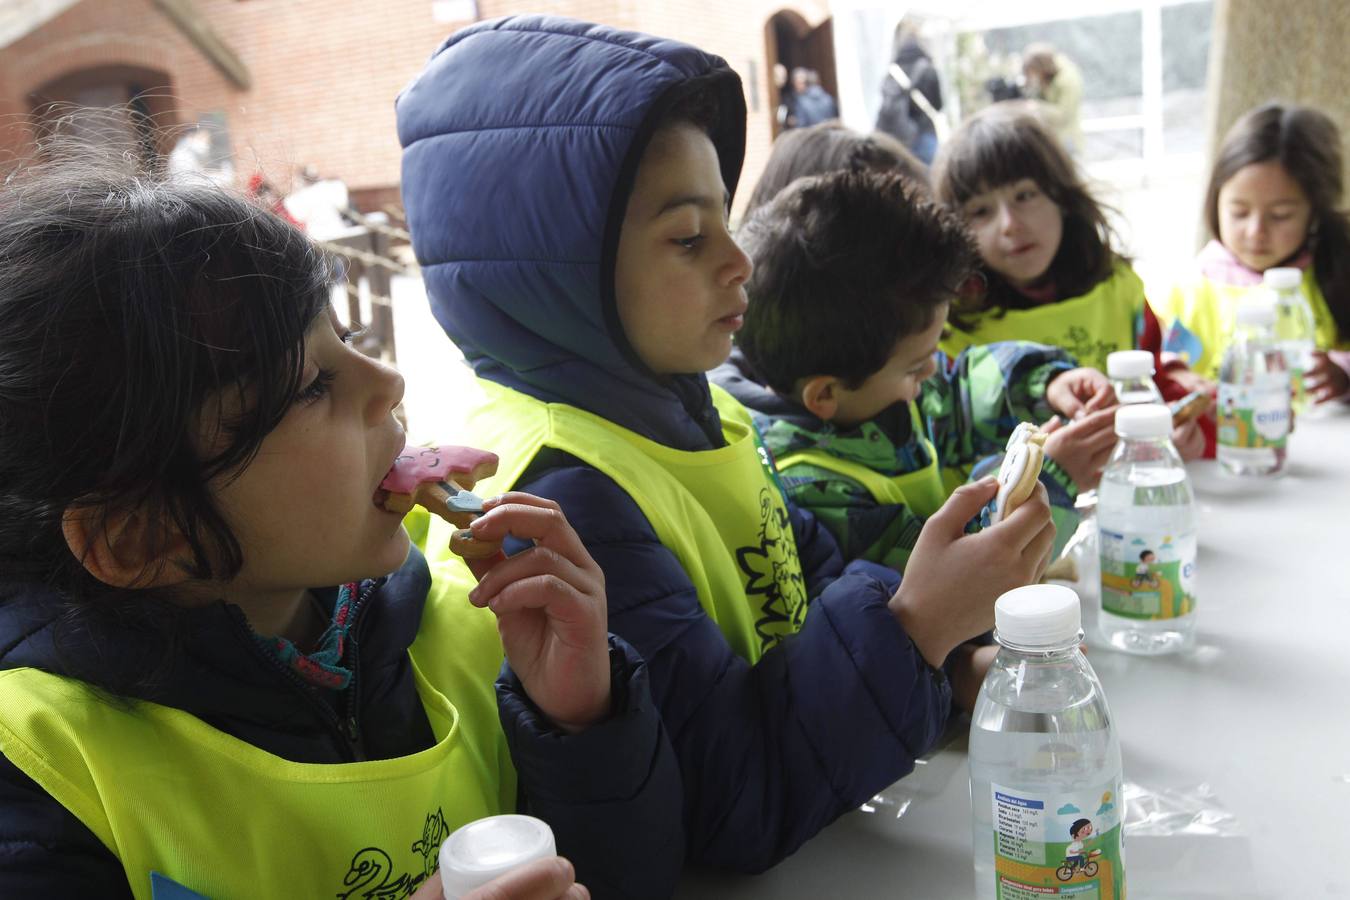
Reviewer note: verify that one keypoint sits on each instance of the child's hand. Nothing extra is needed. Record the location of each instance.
(952, 578)
(1325, 380)
(543, 879)
(1077, 392)
(550, 606)
(1082, 447)
(1189, 440)
(1192, 381)
(969, 664)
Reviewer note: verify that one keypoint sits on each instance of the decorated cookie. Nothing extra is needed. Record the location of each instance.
(1192, 406)
(1018, 474)
(440, 479)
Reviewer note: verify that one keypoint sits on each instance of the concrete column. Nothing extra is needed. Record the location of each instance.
(1293, 51)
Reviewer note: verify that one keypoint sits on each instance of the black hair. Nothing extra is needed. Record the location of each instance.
(130, 308)
(1307, 144)
(1144, 553)
(846, 265)
(1002, 145)
(830, 147)
(1077, 826)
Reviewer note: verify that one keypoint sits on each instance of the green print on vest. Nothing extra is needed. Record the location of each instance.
(773, 575)
(1085, 348)
(371, 874)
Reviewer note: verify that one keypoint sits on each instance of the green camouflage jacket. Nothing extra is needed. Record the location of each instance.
(969, 408)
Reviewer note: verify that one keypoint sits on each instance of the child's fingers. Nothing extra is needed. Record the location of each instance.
(543, 879)
(1039, 549)
(538, 520)
(1021, 528)
(559, 600)
(538, 561)
(963, 505)
(1104, 398)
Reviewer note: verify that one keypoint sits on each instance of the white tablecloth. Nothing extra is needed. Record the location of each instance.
(1238, 751)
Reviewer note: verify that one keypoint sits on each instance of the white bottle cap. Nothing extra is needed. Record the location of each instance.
(483, 850)
(1256, 311)
(1038, 615)
(1129, 364)
(1144, 420)
(1282, 278)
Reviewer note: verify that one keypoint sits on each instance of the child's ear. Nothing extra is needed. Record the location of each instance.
(125, 548)
(820, 396)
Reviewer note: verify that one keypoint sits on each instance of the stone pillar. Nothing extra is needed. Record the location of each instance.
(1290, 50)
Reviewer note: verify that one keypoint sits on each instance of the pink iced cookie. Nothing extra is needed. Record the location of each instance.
(461, 466)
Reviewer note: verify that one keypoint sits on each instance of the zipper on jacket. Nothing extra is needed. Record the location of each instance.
(352, 702)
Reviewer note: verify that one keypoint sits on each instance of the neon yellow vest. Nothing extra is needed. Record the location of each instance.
(923, 491)
(167, 793)
(719, 511)
(1208, 308)
(1090, 327)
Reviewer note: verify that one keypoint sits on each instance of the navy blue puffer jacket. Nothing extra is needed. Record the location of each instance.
(521, 140)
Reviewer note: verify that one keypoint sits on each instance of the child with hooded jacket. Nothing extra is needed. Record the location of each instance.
(598, 281)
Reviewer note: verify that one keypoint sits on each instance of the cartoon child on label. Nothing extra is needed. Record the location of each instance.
(1142, 576)
(1076, 854)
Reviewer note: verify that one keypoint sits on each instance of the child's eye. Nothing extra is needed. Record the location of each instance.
(1026, 194)
(316, 389)
(977, 212)
(690, 243)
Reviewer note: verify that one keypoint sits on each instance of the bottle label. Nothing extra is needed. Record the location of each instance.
(1147, 575)
(1058, 845)
(1254, 416)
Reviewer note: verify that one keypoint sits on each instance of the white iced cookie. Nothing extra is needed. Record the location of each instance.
(1020, 469)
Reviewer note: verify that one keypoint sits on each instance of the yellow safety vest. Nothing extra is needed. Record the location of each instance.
(720, 511)
(169, 794)
(923, 491)
(1090, 327)
(1208, 309)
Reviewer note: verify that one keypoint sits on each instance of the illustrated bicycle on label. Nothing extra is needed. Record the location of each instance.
(1077, 857)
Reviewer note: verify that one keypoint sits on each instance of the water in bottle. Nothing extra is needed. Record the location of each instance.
(1295, 328)
(1146, 537)
(1254, 404)
(1045, 774)
(1131, 374)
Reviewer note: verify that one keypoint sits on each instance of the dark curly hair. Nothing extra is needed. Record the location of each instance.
(846, 265)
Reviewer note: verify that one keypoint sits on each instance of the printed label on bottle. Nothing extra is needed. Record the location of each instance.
(1254, 416)
(1058, 845)
(1147, 576)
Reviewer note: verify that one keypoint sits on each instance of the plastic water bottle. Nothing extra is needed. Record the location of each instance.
(1295, 328)
(1146, 537)
(1254, 406)
(1131, 374)
(488, 848)
(1045, 772)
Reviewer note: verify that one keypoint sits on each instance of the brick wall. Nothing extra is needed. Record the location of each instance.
(325, 72)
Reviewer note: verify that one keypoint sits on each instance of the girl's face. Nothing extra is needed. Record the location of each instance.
(1018, 229)
(1263, 215)
(303, 510)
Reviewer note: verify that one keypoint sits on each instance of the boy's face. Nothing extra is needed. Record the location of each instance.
(910, 365)
(679, 277)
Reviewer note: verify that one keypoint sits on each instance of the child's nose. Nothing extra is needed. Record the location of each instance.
(738, 268)
(386, 393)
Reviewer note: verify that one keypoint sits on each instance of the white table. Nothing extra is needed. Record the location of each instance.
(1239, 749)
